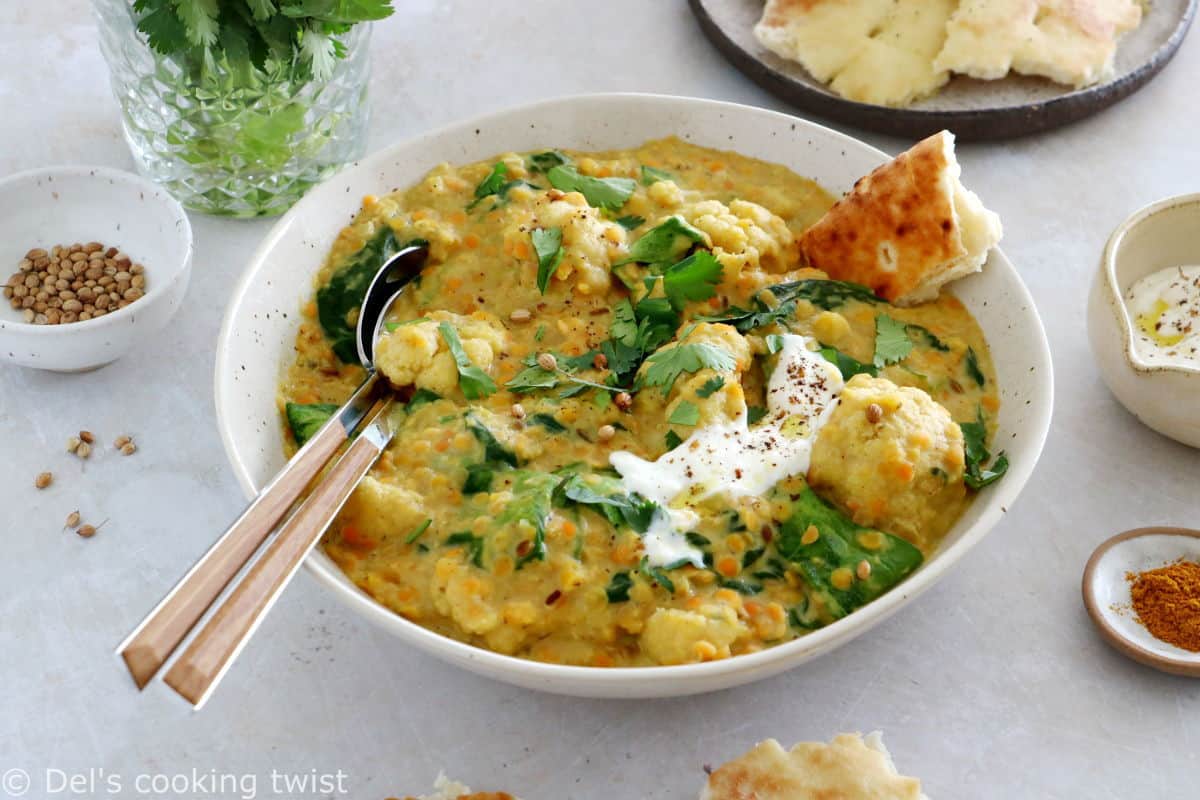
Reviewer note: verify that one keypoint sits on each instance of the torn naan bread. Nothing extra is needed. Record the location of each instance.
(1072, 42)
(907, 228)
(848, 768)
(870, 51)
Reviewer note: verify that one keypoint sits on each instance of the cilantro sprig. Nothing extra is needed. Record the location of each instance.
(666, 365)
(977, 454)
(607, 193)
(547, 244)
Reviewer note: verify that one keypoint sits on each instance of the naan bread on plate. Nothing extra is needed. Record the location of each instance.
(848, 768)
(1069, 41)
(907, 228)
(446, 789)
(871, 51)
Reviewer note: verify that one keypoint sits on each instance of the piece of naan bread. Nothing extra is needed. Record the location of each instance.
(848, 768)
(1069, 41)
(907, 228)
(446, 789)
(871, 51)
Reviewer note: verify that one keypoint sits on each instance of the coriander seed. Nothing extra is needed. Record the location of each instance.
(72, 444)
(121, 441)
(606, 432)
(84, 450)
(86, 531)
(43, 480)
(73, 519)
(128, 449)
(547, 361)
(87, 436)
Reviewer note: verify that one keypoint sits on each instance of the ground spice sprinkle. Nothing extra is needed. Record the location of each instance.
(1167, 602)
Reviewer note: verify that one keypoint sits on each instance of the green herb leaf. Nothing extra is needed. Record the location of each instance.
(848, 366)
(606, 193)
(778, 302)
(754, 414)
(548, 422)
(973, 369)
(496, 185)
(420, 529)
(608, 497)
(474, 382)
(977, 455)
(493, 451)
(474, 545)
(306, 419)
(666, 365)
(547, 243)
(656, 575)
(652, 175)
(927, 337)
(673, 440)
(624, 325)
(540, 333)
(630, 222)
(665, 243)
(479, 478)
(338, 300)
(710, 387)
(532, 495)
(891, 341)
(618, 588)
(696, 540)
(694, 278)
(421, 397)
(840, 545)
(544, 162)
(739, 586)
(685, 413)
(774, 343)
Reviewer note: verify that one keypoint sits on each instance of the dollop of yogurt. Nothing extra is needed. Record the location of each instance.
(735, 458)
(1166, 310)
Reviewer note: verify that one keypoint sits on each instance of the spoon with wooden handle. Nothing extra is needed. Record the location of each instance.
(151, 643)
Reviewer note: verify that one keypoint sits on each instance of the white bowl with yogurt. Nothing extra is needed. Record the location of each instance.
(1144, 316)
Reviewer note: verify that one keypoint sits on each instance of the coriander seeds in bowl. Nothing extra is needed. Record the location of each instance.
(73, 283)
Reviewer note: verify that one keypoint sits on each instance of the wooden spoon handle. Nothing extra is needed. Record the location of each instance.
(214, 649)
(151, 643)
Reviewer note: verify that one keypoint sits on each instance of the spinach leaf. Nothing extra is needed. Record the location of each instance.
(829, 563)
(848, 366)
(656, 575)
(973, 369)
(927, 337)
(493, 451)
(474, 382)
(307, 419)
(630, 222)
(607, 496)
(547, 243)
(479, 478)
(739, 586)
(474, 545)
(548, 422)
(606, 193)
(618, 588)
(338, 299)
(977, 455)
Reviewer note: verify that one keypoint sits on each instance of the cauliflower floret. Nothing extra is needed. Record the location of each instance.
(675, 636)
(590, 243)
(892, 457)
(415, 354)
(666, 194)
(379, 509)
(745, 236)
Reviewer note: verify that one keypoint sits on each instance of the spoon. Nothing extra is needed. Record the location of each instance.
(157, 636)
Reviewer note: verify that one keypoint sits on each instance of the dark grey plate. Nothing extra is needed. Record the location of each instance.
(972, 109)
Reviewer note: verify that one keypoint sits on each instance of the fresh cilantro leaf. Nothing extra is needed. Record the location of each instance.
(656, 575)
(548, 422)
(544, 162)
(710, 387)
(666, 365)
(474, 382)
(624, 325)
(306, 419)
(973, 369)
(754, 414)
(473, 544)
(665, 243)
(673, 440)
(547, 243)
(531, 379)
(694, 278)
(420, 529)
(618, 588)
(685, 413)
(419, 398)
(532, 496)
(891, 341)
(847, 365)
(774, 343)
(606, 193)
(652, 175)
(630, 222)
(778, 302)
(977, 455)
(496, 185)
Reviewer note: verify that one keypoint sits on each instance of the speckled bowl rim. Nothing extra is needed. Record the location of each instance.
(1176, 666)
(656, 681)
(157, 288)
(1112, 284)
(970, 125)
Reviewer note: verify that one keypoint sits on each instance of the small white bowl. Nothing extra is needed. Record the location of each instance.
(1106, 593)
(63, 205)
(1167, 398)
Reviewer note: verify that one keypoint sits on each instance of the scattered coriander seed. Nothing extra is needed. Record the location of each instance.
(518, 411)
(547, 361)
(86, 531)
(874, 413)
(72, 444)
(87, 436)
(605, 432)
(84, 450)
(73, 519)
(520, 315)
(128, 449)
(121, 441)
(43, 480)
(600, 361)
(623, 401)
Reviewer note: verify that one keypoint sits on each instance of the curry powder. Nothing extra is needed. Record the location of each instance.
(1167, 602)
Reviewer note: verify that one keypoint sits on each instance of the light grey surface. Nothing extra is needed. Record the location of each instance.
(992, 685)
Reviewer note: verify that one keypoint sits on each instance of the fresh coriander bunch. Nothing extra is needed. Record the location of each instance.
(251, 38)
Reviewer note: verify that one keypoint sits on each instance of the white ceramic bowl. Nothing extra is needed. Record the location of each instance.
(260, 328)
(1163, 234)
(62, 205)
